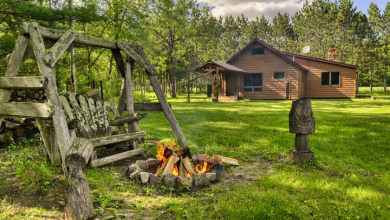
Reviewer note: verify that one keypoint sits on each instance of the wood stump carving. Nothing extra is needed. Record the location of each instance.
(302, 123)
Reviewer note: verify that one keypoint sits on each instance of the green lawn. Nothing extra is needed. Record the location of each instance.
(350, 178)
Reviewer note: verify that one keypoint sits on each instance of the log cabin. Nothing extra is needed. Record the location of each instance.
(259, 71)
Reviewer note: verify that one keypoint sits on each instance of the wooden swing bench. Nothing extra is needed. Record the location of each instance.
(71, 126)
(91, 120)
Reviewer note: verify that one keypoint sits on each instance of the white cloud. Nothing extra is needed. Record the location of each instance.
(253, 8)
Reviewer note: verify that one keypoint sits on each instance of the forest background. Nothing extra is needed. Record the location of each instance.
(179, 35)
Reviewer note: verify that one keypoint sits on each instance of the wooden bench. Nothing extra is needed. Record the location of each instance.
(90, 119)
(363, 96)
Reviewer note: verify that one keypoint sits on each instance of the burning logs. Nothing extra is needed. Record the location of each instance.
(177, 167)
(302, 123)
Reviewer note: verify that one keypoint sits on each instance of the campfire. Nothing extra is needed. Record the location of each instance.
(176, 166)
(180, 162)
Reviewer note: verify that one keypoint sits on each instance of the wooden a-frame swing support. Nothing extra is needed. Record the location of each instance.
(53, 108)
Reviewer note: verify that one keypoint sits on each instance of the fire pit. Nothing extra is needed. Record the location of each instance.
(177, 167)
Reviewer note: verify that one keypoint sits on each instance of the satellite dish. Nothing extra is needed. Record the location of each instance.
(306, 49)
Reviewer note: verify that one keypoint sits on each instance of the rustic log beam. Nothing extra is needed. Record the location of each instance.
(30, 51)
(168, 111)
(60, 47)
(133, 52)
(132, 126)
(51, 90)
(14, 65)
(26, 109)
(117, 157)
(79, 38)
(117, 138)
(204, 74)
(27, 82)
(46, 137)
(148, 106)
(120, 64)
(127, 119)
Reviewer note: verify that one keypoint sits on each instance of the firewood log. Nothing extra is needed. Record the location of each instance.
(171, 164)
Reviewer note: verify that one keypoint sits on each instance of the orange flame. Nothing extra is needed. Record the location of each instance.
(202, 168)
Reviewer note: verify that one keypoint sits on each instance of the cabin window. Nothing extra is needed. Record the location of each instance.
(330, 78)
(278, 75)
(253, 82)
(257, 50)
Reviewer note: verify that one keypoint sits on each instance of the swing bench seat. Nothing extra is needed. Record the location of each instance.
(90, 120)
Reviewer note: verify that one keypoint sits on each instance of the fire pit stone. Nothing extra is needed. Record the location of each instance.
(153, 179)
(204, 179)
(170, 180)
(131, 169)
(220, 171)
(144, 176)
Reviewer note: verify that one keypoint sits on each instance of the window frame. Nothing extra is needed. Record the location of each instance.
(252, 87)
(261, 49)
(284, 76)
(330, 78)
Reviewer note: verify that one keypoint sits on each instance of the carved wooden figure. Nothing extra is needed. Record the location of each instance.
(302, 123)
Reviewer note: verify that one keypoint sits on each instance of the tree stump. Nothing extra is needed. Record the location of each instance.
(302, 123)
(78, 201)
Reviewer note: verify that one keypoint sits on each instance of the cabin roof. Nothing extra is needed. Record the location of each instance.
(321, 60)
(212, 64)
(269, 47)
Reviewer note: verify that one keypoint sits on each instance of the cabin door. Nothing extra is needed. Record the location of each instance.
(231, 84)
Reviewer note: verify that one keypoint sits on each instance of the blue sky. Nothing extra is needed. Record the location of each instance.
(253, 8)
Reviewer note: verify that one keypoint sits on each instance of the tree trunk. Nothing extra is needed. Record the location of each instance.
(188, 85)
(371, 79)
(385, 79)
(72, 56)
(357, 82)
(173, 79)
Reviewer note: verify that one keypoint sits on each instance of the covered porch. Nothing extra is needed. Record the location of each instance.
(223, 79)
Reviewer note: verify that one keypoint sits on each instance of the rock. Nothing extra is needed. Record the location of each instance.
(153, 162)
(169, 180)
(154, 179)
(220, 171)
(211, 177)
(184, 181)
(135, 175)
(131, 169)
(144, 176)
(201, 180)
(149, 164)
(143, 165)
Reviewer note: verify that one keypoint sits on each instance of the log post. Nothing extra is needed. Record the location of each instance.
(51, 90)
(133, 126)
(302, 123)
(78, 203)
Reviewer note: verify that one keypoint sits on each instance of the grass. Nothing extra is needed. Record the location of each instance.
(349, 179)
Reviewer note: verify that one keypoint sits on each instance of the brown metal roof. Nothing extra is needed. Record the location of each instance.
(269, 47)
(321, 60)
(225, 67)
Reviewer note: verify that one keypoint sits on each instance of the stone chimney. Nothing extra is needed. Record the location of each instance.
(332, 54)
